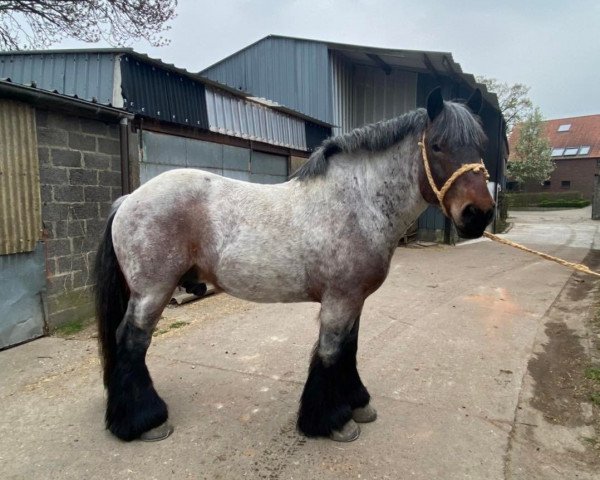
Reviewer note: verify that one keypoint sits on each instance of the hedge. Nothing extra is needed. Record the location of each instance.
(516, 200)
(564, 203)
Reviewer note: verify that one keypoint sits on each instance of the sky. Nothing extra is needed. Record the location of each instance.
(551, 46)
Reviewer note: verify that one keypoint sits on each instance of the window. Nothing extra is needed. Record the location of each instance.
(546, 184)
(584, 150)
(557, 152)
(571, 151)
(565, 184)
(564, 128)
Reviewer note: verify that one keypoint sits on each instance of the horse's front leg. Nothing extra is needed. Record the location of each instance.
(334, 398)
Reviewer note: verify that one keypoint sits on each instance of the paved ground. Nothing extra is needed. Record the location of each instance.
(458, 348)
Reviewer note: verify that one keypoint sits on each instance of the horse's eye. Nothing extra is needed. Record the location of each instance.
(436, 148)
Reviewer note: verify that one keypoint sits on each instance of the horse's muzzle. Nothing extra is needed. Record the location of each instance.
(473, 221)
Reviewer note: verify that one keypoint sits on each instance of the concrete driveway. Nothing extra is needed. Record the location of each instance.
(452, 348)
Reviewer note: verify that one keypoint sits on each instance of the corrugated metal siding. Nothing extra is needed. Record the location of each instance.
(20, 210)
(362, 94)
(87, 75)
(378, 96)
(161, 153)
(238, 117)
(342, 93)
(22, 279)
(157, 93)
(292, 72)
(432, 219)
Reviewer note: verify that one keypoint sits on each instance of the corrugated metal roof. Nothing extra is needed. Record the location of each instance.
(65, 71)
(240, 117)
(20, 204)
(437, 63)
(293, 73)
(87, 75)
(162, 94)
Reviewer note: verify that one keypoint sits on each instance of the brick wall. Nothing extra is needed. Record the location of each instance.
(580, 172)
(80, 177)
(596, 198)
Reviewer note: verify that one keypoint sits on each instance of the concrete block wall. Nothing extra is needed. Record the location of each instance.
(80, 177)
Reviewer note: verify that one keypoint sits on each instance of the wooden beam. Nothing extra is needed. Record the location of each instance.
(431, 68)
(380, 63)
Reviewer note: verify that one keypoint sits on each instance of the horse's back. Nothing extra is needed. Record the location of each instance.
(239, 235)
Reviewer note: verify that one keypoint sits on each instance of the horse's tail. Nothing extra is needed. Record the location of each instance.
(111, 294)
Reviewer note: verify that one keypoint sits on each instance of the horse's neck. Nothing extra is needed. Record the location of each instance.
(386, 187)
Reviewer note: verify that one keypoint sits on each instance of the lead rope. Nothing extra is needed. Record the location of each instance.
(575, 266)
(477, 168)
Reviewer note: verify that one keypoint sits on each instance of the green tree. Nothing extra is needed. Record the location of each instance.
(531, 160)
(514, 102)
(40, 23)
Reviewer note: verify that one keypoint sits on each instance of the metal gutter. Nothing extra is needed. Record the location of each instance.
(124, 154)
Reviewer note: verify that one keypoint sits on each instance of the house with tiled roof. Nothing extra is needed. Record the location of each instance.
(575, 143)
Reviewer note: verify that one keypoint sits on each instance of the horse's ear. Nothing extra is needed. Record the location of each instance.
(474, 102)
(435, 103)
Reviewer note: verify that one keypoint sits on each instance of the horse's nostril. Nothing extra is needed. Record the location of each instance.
(472, 214)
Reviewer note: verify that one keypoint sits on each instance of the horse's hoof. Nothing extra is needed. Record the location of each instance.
(364, 414)
(348, 433)
(156, 434)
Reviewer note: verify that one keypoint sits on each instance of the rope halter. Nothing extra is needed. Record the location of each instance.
(441, 193)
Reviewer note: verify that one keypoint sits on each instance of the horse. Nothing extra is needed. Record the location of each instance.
(326, 235)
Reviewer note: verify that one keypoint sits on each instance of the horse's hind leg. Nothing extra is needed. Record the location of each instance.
(133, 406)
(333, 390)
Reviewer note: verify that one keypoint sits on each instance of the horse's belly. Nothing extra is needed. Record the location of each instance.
(261, 282)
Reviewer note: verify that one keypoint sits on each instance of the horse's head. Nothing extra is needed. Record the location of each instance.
(453, 175)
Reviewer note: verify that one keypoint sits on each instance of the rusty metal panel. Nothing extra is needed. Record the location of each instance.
(20, 204)
(236, 116)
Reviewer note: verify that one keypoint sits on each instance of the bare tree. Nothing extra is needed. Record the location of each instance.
(40, 23)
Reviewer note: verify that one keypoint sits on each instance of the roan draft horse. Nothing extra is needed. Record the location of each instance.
(327, 235)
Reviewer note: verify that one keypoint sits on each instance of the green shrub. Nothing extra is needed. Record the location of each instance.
(564, 203)
(520, 200)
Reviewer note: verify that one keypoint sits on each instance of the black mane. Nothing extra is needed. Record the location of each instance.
(454, 126)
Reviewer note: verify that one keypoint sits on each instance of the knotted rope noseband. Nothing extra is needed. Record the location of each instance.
(441, 193)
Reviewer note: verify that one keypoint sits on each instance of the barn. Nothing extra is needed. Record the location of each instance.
(350, 85)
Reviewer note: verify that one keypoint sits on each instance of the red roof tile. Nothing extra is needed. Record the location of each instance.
(584, 131)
